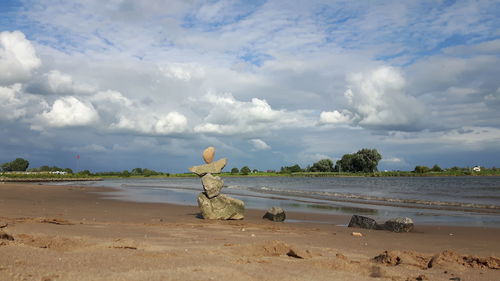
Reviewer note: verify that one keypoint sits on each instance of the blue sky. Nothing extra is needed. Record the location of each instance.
(150, 84)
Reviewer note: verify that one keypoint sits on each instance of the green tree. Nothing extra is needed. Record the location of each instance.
(85, 173)
(365, 160)
(436, 168)
(235, 171)
(323, 165)
(136, 171)
(125, 173)
(19, 164)
(245, 170)
(291, 169)
(421, 169)
(68, 170)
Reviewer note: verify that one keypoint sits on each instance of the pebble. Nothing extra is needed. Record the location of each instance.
(357, 234)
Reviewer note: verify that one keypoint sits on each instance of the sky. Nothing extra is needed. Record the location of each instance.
(150, 84)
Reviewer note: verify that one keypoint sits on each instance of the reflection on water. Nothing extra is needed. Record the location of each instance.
(451, 200)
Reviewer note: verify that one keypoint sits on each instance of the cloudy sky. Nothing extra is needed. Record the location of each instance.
(127, 84)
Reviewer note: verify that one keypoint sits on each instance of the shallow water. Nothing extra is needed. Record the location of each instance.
(437, 200)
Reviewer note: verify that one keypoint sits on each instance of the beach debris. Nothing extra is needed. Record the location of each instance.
(275, 214)
(357, 234)
(6, 236)
(221, 207)
(214, 205)
(212, 168)
(421, 277)
(3, 224)
(402, 224)
(212, 185)
(208, 154)
(363, 222)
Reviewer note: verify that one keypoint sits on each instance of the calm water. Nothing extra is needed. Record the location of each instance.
(438, 200)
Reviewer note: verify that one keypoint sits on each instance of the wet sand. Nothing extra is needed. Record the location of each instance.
(72, 233)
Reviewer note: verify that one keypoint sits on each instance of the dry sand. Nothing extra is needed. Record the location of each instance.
(71, 233)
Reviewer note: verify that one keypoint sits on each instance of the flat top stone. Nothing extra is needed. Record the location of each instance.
(212, 168)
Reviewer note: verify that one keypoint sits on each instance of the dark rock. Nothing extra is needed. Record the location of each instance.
(363, 222)
(275, 214)
(402, 224)
(6, 236)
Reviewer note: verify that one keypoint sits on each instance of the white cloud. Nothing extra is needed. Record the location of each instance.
(11, 103)
(17, 58)
(392, 160)
(173, 122)
(259, 144)
(61, 83)
(87, 148)
(183, 71)
(70, 111)
(335, 117)
(377, 100)
(228, 116)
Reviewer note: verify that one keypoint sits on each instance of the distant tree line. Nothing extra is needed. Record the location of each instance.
(134, 172)
(245, 170)
(365, 160)
(18, 165)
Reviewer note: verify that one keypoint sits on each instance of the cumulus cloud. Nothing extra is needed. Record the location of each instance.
(229, 116)
(392, 160)
(377, 100)
(68, 112)
(182, 71)
(120, 113)
(11, 103)
(17, 58)
(259, 144)
(335, 117)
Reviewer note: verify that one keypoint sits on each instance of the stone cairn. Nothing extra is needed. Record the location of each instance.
(214, 205)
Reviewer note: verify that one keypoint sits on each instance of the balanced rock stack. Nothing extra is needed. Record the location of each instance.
(214, 205)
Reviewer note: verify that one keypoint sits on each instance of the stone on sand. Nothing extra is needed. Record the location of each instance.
(6, 236)
(402, 224)
(212, 168)
(212, 185)
(275, 214)
(363, 222)
(208, 154)
(221, 207)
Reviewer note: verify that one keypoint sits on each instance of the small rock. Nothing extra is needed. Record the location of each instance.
(221, 207)
(6, 236)
(357, 234)
(421, 277)
(3, 224)
(402, 224)
(212, 185)
(363, 222)
(208, 154)
(275, 214)
(212, 168)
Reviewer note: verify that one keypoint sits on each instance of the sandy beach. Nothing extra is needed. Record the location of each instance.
(72, 233)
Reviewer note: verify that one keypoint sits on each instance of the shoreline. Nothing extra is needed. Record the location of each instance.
(89, 237)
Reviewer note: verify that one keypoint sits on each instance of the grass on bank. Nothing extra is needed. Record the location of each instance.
(103, 175)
